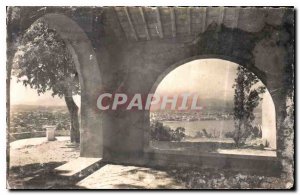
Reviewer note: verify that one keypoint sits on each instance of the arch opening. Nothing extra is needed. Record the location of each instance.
(83, 56)
(213, 127)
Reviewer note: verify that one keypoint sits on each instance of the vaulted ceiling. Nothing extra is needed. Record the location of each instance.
(147, 23)
(156, 23)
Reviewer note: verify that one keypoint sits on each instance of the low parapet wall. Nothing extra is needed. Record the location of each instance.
(26, 135)
(191, 146)
(264, 165)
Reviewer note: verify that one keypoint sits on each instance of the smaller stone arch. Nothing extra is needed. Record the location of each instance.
(260, 74)
(85, 60)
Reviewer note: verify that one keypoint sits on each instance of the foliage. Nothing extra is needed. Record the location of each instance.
(203, 133)
(160, 132)
(179, 134)
(208, 135)
(247, 95)
(199, 134)
(254, 132)
(43, 62)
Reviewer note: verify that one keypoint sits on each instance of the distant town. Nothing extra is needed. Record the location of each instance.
(27, 118)
(189, 116)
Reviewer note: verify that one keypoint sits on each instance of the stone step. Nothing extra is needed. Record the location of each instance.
(79, 168)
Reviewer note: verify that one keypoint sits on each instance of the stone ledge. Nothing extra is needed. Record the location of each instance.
(79, 168)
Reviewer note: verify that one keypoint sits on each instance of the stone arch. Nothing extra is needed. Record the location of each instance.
(260, 74)
(84, 57)
(253, 69)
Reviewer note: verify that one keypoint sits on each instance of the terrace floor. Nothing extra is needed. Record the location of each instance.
(34, 163)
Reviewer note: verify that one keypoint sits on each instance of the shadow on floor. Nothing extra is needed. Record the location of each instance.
(40, 176)
(72, 146)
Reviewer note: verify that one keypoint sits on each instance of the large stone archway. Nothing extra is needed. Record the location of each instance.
(85, 60)
(146, 63)
(143, 63)
(133, 54)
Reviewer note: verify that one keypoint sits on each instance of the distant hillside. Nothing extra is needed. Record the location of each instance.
(209, 105)
(217, 105)
(24, 107)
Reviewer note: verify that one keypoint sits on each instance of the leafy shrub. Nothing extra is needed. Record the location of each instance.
(252, 133)
(199, 134)
(160, 132)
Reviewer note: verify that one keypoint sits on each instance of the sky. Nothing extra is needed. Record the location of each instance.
(210, 78)
(27, 96)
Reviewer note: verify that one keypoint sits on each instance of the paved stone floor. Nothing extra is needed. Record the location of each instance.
(34, 142)
(34, 164)
(129, 177)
